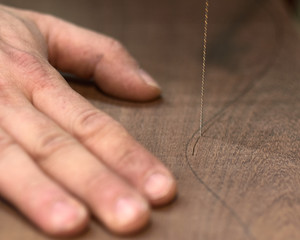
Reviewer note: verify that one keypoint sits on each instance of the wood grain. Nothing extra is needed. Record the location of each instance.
(241, 179)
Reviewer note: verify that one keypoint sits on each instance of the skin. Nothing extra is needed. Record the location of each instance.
(61, 159)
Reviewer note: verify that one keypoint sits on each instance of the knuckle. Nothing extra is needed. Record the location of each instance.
(116, 45)
(50, 143)
(130, 160)
(119, 52)
(5, 143)
(6, 90)
(90, 123)
(3, 83)
(35, 70)
(100, 182)
(26, 62)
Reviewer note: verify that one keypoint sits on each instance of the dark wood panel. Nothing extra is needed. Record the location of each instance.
(240, 180)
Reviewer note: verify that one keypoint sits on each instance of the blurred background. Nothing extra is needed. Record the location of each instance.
(295, 7)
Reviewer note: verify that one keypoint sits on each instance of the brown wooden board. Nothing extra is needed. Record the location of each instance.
(241, 179)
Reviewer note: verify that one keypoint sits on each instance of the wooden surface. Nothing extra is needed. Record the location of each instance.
(241, 180)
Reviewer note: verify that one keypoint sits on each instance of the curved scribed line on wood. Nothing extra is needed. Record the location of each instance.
(216, 196)
(209, 122)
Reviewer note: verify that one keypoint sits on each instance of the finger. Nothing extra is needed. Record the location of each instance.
(106, 139)
(92, 55)
(112, 200)
(39, 198)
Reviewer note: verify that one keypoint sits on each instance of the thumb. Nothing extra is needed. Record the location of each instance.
(88, 54)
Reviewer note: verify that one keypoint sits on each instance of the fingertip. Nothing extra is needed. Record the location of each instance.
(167, 198)
(153, 90)
(67, 219)
(137, 92)
(148, 79)
(132, 216)
(160, 189)
(125, 81)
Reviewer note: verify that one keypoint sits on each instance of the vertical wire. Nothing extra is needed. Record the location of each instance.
(203, 65)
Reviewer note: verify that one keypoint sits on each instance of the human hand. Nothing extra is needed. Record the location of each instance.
(61, 158)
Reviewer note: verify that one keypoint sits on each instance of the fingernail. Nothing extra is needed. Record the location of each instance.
(148, 79)
(129, 210)
(66, 216)
(158, 186)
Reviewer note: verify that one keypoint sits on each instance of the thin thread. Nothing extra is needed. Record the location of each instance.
(203, 65)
